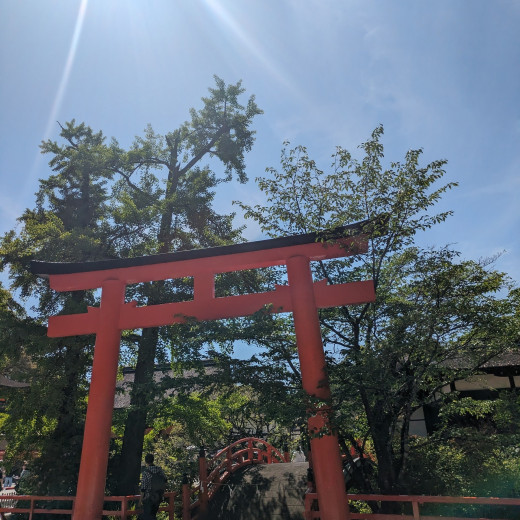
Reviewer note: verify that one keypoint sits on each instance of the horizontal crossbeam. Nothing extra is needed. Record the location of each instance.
(279, 300)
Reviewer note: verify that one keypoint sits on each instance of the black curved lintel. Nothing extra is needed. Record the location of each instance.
(42, 268)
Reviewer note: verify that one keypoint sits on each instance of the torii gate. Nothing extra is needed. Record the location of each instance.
(302, 297)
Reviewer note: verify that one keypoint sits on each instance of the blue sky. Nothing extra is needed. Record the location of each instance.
(443, 75)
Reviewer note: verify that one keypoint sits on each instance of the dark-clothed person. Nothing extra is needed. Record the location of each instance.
(153, 483)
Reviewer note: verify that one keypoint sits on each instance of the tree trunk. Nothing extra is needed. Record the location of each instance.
(385, 470)
(142, 388)
(136, 422)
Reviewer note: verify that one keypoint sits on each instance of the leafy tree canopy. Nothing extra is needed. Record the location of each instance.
(432, 310)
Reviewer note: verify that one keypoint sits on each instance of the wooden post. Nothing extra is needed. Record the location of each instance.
(328, 474)
(250, 453)
(415, 509)
(124, 508)
(171, 506)
(186, 498)
(203, 481)
(229, 460)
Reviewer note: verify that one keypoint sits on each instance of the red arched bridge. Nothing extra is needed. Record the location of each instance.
(214, 472)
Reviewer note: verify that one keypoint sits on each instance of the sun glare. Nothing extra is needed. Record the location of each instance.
(68, 67)
(58, 98)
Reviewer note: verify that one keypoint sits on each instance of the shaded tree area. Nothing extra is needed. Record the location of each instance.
(13, 331)
(473, 452)
(16, 330)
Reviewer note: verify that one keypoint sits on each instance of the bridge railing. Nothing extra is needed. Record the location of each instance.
(244, 452)
(64, 505)
(312, 512)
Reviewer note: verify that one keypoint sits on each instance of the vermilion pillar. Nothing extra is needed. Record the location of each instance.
(326, 457)
(94, 456)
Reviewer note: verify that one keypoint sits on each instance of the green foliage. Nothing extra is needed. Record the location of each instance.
(474, 453)
(272, 402)
(175, 213)
(182, 425)
(388, 358)
(13, 332)
(201, 418)
(302, 198)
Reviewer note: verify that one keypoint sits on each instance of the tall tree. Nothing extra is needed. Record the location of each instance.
(175, 215)
(67, 224)
(388, 358)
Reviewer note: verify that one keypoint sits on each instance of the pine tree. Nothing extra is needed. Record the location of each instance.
(67, 224)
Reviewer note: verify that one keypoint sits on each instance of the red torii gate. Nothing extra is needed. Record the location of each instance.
(302, 297)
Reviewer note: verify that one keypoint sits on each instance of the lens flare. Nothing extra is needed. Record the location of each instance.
(252, 46)
(68, 67)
